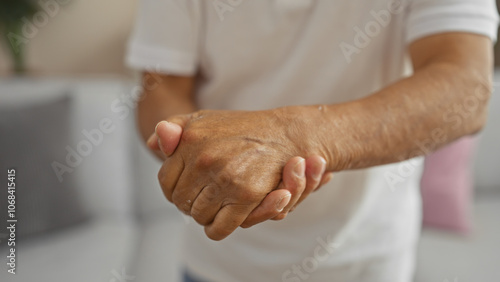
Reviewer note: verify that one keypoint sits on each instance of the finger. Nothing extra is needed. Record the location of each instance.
(152, 142)
(169, 173)
(315, 168)
(227, 220)
(280, 216)
(294, 180)
(186, 190)
(271, 206)
(168, 136)
(206, 205)
(327, 177)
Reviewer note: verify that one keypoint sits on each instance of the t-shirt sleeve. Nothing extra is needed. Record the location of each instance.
(165, 37)
(428, 17)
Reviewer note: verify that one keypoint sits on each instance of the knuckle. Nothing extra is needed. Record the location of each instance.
(205, 160)
(206, 198)
(220, 185)
(182, 199)
(179, 198)
(222, 179)
(209, 194)
(162, 175)
(191, 135)
(199, 114)
(164, 188)
(248, 195)
(183, 206)
(200, 217)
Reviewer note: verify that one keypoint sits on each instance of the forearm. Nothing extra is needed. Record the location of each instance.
(412, 117)
(149, 117)
(170, 96)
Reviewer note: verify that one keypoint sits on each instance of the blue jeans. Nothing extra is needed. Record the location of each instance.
(189, 278)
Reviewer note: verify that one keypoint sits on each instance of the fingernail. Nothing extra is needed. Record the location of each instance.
(299, 169)
(158, 139)
(317, 175)
(283, 202)
(158, 124)
(159, 144)
(323, 161)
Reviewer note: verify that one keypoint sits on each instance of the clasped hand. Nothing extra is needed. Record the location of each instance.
(228, 169)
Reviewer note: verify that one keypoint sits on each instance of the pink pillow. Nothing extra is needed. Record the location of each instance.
(447, 186)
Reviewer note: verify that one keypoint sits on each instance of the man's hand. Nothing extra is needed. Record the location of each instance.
(270, 208)
(296, 184)
(276, 204)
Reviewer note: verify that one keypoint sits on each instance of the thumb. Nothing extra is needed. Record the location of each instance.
(168, 133)
(269, 208)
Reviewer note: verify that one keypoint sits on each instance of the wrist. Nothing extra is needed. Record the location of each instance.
(307, 128)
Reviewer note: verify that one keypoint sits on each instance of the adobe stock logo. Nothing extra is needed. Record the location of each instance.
(372, 29)
(224, 6)
(121, 276)
(325, 248)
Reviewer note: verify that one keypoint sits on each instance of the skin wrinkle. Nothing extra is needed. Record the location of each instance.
(203, 185)
(186, 211)
(196, 197)
(203, 212)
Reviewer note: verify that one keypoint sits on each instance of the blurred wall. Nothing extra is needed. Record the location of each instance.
(497, 46)
(85, 36)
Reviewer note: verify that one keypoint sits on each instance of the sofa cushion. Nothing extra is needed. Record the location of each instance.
(34, 135)
(447, 186)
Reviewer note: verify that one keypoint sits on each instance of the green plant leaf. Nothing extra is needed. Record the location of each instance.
(12, 11)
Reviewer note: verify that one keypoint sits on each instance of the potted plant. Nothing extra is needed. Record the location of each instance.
(12, 13)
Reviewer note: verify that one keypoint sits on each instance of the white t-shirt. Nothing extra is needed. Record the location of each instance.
(261, 54)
